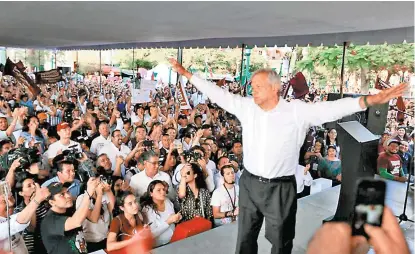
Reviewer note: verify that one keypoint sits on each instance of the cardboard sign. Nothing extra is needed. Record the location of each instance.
(48, 77)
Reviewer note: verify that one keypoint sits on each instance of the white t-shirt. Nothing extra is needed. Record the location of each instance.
(224, 200)
(98, 143)
(55, 147)
(96, 232)
(162, 232)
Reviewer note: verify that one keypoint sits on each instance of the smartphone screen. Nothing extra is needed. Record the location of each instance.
(368, 209)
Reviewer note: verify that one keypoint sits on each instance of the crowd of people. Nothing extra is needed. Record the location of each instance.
(87, 169)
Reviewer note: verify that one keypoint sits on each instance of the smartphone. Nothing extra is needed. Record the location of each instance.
(369, 204)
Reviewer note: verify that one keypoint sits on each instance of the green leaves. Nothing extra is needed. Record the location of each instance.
(375, 57)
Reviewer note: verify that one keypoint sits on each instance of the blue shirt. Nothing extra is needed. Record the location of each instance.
(74, 189)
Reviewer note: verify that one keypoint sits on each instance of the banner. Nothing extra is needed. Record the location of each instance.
(140, 92)
(20, 76)
(48, 77)
(181, 95)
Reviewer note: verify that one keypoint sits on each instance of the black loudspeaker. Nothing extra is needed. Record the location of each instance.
(359, 154)
(376, 118)
(360, 117)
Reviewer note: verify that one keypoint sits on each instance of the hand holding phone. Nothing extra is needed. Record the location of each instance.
(369, 205)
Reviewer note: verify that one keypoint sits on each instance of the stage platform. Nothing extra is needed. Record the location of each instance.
(311, 212)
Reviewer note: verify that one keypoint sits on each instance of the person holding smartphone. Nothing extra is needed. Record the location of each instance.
(388, 238)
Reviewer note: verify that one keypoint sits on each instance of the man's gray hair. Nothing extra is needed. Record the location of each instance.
(273, 78)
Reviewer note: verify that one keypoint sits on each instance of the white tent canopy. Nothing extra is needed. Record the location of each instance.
(111, 25)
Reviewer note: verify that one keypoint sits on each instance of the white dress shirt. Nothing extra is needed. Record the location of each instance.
(18, 245)
(272, 139)
(139, 183)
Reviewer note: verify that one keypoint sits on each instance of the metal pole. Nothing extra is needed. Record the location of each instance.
(38, 60)
(133, 65)
(179, 60)
(342, 69)
(242, 63)
(100, 72)
(56, 66)
(76, 68)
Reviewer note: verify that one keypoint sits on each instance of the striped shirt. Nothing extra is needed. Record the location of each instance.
(33, 240)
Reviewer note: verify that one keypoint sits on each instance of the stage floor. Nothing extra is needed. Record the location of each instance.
(311, 212)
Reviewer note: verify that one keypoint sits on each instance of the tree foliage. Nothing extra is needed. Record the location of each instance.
(395, 59)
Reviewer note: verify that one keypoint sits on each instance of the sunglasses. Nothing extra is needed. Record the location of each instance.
(188, 173)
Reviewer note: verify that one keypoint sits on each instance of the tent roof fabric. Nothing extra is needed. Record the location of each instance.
(113, 25)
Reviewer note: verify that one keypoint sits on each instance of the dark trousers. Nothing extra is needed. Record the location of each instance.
(304, 193)
(277, 202)
(96, 246)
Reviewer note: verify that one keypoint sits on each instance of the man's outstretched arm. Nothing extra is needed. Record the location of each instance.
(229, 102)
(323, 112)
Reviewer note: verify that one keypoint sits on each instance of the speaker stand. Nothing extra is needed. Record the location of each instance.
(403, 216)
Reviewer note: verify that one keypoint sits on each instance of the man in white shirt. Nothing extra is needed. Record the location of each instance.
(139, 182)
(64, 143)
(268, 182)
(102, 140)
(115, 148)
(225, 199)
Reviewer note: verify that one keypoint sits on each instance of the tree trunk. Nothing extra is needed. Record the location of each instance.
(364, 85)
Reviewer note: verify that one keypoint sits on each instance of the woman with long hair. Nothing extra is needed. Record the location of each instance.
(313, 155)
(330, 166)
(95, 228)
(193, 195)
(32, 134)
(159, 212)
(128, 227)
(331, 140)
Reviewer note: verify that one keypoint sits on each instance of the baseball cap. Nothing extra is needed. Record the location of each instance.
(42, 116)
(390, 141)
(62, 126)
(56, 188)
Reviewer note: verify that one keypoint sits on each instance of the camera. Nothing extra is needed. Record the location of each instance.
(106, 179)
(28, 156)
(232, 157)
(67, 116)
(192, 156)
(313, 159)
(72, 153)
(148, 144)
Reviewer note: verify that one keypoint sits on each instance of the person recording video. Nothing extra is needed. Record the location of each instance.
(19, 221)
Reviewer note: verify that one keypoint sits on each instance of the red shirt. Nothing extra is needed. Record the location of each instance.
(392, 163)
